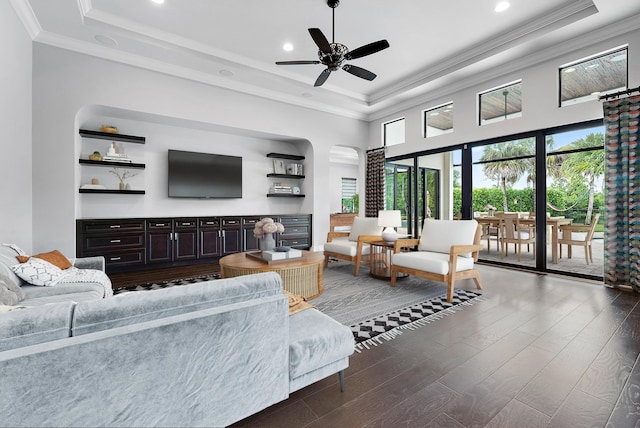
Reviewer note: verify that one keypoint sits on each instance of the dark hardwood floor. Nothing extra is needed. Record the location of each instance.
(124, 279)
(538, 351)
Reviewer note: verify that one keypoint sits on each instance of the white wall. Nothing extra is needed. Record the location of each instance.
(15, 124)
(65, 84)
(540, 103)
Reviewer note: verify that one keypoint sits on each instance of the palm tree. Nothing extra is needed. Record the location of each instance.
(589, 164)
(501, 166)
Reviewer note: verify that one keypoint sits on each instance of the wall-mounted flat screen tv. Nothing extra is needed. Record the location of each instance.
(204, 175)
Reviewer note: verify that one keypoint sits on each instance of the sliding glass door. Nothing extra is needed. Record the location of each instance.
(550, 179)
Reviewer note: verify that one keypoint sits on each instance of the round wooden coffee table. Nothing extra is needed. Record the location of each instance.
(302, 276)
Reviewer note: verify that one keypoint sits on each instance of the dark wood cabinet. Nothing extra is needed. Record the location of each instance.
(231, 235)
(120, 241)
(159, 241)
(297, 232)
(170, 240)
(133, 244)
(210, 238)
(250, 242)
(185, 239)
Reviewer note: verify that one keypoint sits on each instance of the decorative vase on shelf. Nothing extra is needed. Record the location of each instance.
(122, 186)
(267, 242)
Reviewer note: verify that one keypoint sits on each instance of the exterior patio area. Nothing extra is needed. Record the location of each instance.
(576, 264)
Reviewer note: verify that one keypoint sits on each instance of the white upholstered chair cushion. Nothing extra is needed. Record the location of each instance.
(345, 247)
(364, 226)
(438, 236)
(430, 262)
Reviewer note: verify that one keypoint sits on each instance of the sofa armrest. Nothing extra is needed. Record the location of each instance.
(96, 262)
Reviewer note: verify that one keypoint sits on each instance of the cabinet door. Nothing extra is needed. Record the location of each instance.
(210, 243)
(159, 247)
(185, 244)
(249, 242)
(231, 235)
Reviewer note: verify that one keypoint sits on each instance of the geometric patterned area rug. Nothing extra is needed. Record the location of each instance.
(388, 326)
(165, 284)
(375, 311)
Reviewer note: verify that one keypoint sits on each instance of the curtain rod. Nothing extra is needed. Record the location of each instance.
(618, 94)
(377, 149)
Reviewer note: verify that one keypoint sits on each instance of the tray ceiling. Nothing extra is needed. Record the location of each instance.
(235, 43)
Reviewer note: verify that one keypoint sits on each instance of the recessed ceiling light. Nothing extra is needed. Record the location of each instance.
(158, 1)
(226, 73)
(569, 70)
(620, 57)
(502, 6)
(106, 40)
(593, 66)
(595, 93)
(435, 113)
(287, 47)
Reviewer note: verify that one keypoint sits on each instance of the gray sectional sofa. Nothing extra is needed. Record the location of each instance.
(207, 354)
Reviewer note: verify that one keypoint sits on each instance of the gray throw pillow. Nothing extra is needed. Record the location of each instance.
(10, 293)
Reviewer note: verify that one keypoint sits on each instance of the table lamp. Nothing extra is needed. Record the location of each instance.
(389, 219)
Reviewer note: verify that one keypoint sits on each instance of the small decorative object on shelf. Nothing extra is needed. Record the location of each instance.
(95, 156)
(264, 230)
(109, 128)
(123, 175)
(116, 153)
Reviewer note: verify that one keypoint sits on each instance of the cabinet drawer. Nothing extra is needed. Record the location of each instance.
(208, 223)
(295, 242)
(124, 258)
(102, 242)
(164, 224)
(114, 226)
(296, 230)
(250, 221)
(185, 223)
(293, 220)
(231, 222)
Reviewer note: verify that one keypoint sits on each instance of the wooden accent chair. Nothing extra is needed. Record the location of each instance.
(355, 248)
(578, 234)
(492, 231)
(447, 251)
(512, 232)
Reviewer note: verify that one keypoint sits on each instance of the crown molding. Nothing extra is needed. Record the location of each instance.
(570, 12)
(134, 60)
(27, 17)
(581, 41)
(165, 39)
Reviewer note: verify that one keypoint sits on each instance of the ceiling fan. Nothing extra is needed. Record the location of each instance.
(333, 54)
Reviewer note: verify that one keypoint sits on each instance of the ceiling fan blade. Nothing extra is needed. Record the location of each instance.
(323, 77)
(296, 62)
(321, 40)
(367, 49)
(359, 71)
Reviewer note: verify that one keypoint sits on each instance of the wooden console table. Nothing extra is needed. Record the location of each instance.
(301, 276)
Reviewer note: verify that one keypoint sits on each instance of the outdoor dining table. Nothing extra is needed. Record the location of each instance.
(554, 222)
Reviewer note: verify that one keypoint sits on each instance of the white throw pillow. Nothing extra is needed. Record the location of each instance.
(36, 271)
(364, 226)
(439, 235)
